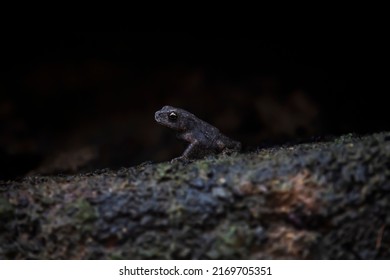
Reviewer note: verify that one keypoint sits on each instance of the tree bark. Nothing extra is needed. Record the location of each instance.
(327, 200)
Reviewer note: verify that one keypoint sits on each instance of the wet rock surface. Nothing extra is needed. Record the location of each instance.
(324, 200)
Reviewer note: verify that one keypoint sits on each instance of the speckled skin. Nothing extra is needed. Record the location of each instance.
(204, 138)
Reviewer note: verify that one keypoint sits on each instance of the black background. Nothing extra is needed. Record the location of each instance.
(93, 95)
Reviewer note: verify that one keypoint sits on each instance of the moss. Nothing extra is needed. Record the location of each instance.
(6, 209)
(85, 211)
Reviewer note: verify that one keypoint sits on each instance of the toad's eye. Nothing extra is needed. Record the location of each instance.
(172, 116)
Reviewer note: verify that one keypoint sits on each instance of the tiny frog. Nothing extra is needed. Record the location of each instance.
(204, 138)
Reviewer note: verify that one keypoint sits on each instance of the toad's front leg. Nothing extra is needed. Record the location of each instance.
(191, 152)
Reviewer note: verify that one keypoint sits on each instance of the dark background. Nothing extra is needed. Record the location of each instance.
(79, 101)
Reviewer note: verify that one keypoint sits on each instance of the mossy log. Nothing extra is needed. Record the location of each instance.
(324, 200)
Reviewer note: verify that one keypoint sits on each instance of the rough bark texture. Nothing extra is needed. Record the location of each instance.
(328, 200)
